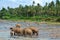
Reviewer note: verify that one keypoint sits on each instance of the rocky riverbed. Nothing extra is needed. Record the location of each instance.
(46, 32)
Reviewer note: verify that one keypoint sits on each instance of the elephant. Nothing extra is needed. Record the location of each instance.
(27, 31)
(34, 30)
(16, 31)
(20, 31)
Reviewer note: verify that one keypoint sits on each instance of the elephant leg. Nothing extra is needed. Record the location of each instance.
(11, 33)
(22, 33)
(36, 33)
(18, 34)
(25, 34)
(15, 34)
(31, 34)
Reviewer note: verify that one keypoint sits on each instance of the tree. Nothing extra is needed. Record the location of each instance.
(48, 10)
(33, 3)
(57, 7)
(4, 14)
(51, 8)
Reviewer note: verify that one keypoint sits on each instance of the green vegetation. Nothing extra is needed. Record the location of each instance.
(50, 12)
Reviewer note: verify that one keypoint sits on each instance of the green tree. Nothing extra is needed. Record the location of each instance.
(57, 7)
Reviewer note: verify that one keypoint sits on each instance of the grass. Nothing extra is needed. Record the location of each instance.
(38, 19)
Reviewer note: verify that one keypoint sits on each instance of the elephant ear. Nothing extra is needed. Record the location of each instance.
(11, 28)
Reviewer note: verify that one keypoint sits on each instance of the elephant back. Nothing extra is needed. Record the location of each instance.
(34, 29)
(27, 31)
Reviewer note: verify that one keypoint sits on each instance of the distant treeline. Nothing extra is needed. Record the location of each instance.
(49, 12)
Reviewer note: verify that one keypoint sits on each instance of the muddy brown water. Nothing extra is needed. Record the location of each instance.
(46, 32)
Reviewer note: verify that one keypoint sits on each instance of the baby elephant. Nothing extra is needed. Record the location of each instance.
(34, 30)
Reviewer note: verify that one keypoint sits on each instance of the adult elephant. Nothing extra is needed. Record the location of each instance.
(34, 30)
(27, 31)
(16, 31)
(20, 31)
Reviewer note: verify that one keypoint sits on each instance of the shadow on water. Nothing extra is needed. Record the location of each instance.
(46, 32)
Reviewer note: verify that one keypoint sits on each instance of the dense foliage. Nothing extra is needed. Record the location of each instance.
(50, 12)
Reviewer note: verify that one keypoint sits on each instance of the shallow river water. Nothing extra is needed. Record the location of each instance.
(46, 32)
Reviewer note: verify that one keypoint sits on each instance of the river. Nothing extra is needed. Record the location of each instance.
(46, 32)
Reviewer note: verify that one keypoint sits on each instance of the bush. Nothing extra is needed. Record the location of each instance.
(58, 20)
(48, 19)
(5, 17)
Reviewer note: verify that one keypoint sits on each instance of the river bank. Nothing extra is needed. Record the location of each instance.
(37, 22)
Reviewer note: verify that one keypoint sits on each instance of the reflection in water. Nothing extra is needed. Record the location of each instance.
(46, 32)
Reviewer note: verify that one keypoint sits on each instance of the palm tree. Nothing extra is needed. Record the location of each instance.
(33, 3)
